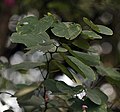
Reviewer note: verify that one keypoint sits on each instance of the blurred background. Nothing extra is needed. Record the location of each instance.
(105, 12)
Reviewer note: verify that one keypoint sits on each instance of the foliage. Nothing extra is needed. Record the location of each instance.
(60, 40)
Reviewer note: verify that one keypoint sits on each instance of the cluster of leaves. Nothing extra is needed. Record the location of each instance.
(60, 40)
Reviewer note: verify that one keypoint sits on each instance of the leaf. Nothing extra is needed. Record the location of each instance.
(30, 39)
(72, 64)
(61, 49)
(91, 94)
(77, 89)
(91, 34)
(50, 84)
(98, 28)
(81, 43)
(33, 101)
(64, 88)
(27, 25)
(68, 30)
(86, 70)
(76, 105)
(104, 30)
(91, 24)
(26, 90)
(44, 23)
(32, 25)
(27, 65)
(101, 108)
(31, 33)
(92, 107)
(109, 72)
(64, 70)
(57, 102)
(47, 46)
(102, 96)
(87, 58)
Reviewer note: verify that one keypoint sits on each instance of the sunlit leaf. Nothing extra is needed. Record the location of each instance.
(104, 30)
(61, 49)
(68, 30)
(44, 24)
(32, 24)
(27, 25)
(98, 28)
(30, 39)
(91, 34)
(91, 24)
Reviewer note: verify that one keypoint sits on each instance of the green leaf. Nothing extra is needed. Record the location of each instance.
(57, 103)
(92, 107)
(61, 49)
(76, 105)
(77, 89)
(64, 88)
(91, 24)
(32, 25)
(109, 72)
(104, 30)
(72, 64)
(68, 30)
(44, 23)
(64, 70)
(86, 70)
(81, 43)
(26, 90)
(27, 25)
(27, 65)
(30, 39)
(50, 84)
(33, 101)
(98, 28)
(91, 34)
(45, 47)
(87, 58)
(102, 96)
(101, 108)
(91, 94)
(53, 110)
